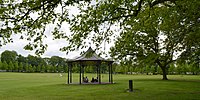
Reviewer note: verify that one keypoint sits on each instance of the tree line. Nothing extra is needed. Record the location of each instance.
(173, 69)
(13, 62)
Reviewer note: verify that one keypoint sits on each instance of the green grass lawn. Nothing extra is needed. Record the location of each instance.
(50, 86)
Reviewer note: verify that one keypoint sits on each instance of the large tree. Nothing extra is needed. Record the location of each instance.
(38, 62)
(9, 56)
(57, 62)
(150, 31)
(155, 37)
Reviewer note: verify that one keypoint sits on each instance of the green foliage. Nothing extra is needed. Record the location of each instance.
(9, 56)
(47, 68)
(16, 17)
(59, 69)
(150, 32)
(16, 66)
(3, 65)
(36, 61)
(57, 62)
(38, 64)
(26, 67)
(125, 67)
(22, 59)
(20, 67)
(42, 69)
(172, 69)
(10, 66)
(38, 68)
(33, 69)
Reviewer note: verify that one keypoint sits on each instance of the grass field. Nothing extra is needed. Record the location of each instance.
(50, 86)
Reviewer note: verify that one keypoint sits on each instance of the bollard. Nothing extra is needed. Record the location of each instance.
(130, 85)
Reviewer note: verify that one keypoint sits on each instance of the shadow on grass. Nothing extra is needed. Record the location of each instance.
(183, 80)
(169, 80)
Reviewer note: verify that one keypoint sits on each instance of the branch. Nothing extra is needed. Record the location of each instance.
(160, 1)
(139, 7)
(135, 12)
(38, 7)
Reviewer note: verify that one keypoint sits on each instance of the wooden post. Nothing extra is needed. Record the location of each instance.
(99, 77)
(80, 74)
(83, 70)
(97, 71)
(68, 74)
(109, 72)
(130, 85)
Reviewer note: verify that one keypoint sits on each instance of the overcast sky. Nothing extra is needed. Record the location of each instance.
(53, 45)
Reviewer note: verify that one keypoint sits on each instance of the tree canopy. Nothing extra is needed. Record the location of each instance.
(11, 61)
(9, 56)
(29, 18)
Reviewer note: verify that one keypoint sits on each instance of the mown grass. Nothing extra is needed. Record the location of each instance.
(50, 86)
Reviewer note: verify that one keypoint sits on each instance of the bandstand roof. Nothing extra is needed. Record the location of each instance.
(89, 55)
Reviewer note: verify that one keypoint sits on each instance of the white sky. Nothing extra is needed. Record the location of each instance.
(52, 50)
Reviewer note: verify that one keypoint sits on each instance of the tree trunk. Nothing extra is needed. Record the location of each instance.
(164, 76)
(164, 73)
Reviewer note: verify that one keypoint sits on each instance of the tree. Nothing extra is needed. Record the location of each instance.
(171, 69)
(57, 61)
(9, 56)
(34, 69)
(16, 66)
(16, 17)
(191, 56)
(32, 60)
(31, 69)
(51, 69)
(194, 69)
(10, 66)
(42, 69)
(47, 68)
(0, 65)
(36, 61)
(5, 66)
(20, 69)
(60, 69)
(21, 59)
(26, 67)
